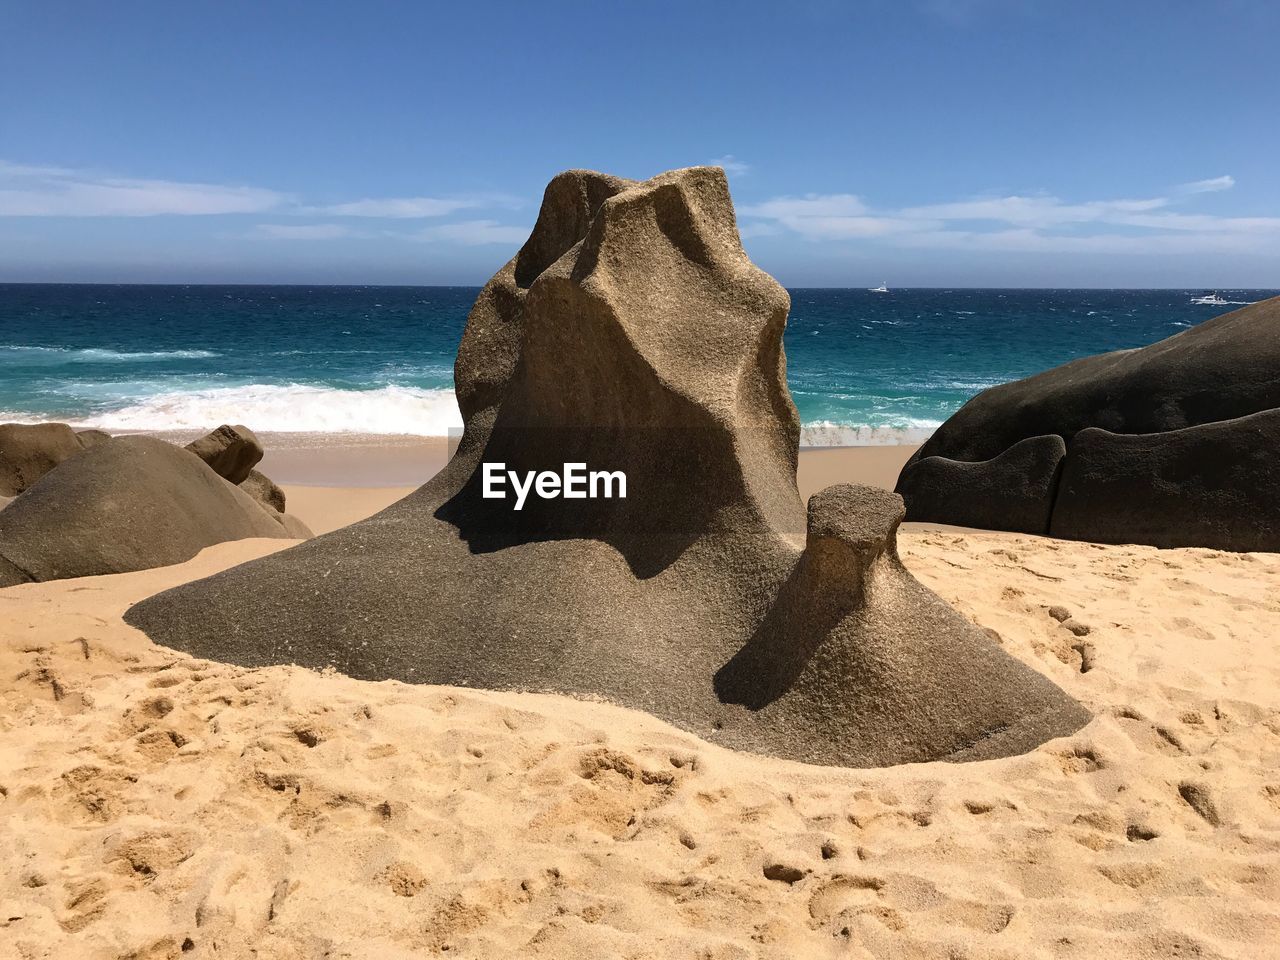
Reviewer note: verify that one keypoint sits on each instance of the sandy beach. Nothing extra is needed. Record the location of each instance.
(735, 482)
(158, 805)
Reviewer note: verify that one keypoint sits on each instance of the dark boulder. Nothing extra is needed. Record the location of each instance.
(1224, 368)
(130, 503)
(633, 334)
(1173, 423)
(1013, 491)
(1214, 485)
(232, 452)
(29, 451)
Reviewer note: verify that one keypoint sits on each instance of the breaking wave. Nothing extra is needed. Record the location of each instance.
(290, 408)
(824, 433)
(389, 410)
(103, 355)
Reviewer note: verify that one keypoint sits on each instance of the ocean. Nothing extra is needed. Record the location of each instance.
(863, 367)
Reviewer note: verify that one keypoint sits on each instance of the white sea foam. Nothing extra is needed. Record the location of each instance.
(825, 433)
(974, 384)
(103, 355)
(389, 410)
(292, 408)
(96, 355)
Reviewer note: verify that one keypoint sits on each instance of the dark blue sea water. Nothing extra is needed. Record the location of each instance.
(863, 367)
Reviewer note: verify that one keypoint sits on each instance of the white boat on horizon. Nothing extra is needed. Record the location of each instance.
(1210, 298)
(883, 288)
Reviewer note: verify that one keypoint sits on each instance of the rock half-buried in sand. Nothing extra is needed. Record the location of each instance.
(1169, 444)
(1013, 491)
(1216, 484)
(631, 333)
(125, 504)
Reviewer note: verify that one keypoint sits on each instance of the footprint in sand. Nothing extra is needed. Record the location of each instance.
(1147, 736)
(1079, 760)
(96, 793)
(148, 854)
(1199, 799)
(159, 745)
(842, 893)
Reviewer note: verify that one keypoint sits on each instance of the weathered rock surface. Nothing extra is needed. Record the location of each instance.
(263, 489)
(293, 527)
(1013, 491)
(1214, 485)
(632, 333)
(271, 498)
(232, 451)
(847, 629)
(89, 437)
(1158, 442)
(29, 451)
(1225, 368)
(124, 504)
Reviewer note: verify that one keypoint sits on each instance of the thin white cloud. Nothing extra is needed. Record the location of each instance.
(731, 165)
(1039, 211)
(850, 228)
(759, 228)
(1203, 223)
(8, 169)
(31, 191)
(1019, 240)
(50, 191)
(1039, 223)
(837, 216)
(473, 233)
(1212, 185)
(303, 231)
(411, 208)
(810, 205)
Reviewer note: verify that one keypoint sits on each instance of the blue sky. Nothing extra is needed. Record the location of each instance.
(940, 142)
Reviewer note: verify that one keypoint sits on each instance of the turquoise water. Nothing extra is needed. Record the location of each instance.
(863, 367)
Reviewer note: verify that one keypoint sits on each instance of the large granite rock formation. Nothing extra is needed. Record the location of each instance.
(125, 504)
(632, 333)
(1013, 491)
(29, 451)
(1224, 368)
(1188, 478)
(1217, 484)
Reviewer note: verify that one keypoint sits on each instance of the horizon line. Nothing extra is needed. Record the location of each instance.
(478, 286)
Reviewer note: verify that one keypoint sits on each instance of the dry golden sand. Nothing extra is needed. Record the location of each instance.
(157, 806)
